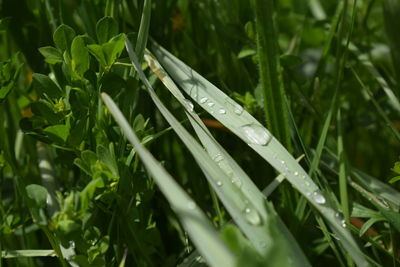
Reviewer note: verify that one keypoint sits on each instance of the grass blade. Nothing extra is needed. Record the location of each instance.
(238, 121)
(275, 108)
(198, 226)
(231, 168)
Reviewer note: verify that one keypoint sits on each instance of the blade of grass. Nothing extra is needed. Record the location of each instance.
(242, 210)
(273, 90)
(196, 223)
(7, 254)
(364, 60)
(229, 166)
(143, 30)
(259, 140)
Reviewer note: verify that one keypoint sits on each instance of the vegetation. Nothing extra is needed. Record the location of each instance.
(193, 133)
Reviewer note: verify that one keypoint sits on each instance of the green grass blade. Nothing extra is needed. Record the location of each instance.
(143, 30)
(7, 254)
(259, 139)
(364, 60)
(275, 108)
(242, 210)
(230, 167)
(196, 223)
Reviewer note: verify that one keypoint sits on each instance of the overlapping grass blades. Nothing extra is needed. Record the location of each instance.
(259, 139)
(247, 212)
(195, 222)
(258, 236)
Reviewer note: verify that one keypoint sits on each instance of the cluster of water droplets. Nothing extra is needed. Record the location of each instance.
(340, 218)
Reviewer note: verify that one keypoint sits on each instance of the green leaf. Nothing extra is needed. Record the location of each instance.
(396, 167)
(44, 85)
(63, 37)
(44, 109)
(87, 193)
(97, 51)
(51, 54)
(38, 194)
(113, 48)
(58, 133)
(394, 179)
(80, 59)
(106, 28)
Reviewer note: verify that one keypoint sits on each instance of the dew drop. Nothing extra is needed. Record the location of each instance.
(237, 182)
(191, 205)
(307, 184)
(211, 104)
(203, 100)
(252, 216)
(282, 162)
(233, 106)
(188, 104)
(222, 111)
(296, 173)
(256, 134)
(219, 183)
(218, 158)
(318, 198)
(303, 177)
(342, 221)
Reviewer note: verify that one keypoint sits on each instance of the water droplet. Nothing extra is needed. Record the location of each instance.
(189, 105)
(233, 106)
(191, 205)
(252, 216)
(218, 158)
(318, 197)
(237, 182)
(342, 221)
(222, 111)
(203, 100)
(303, 177)
(296, 173)
(282, 162)
(256, 134)
(219, 183)
(307, 184)
(211, 104)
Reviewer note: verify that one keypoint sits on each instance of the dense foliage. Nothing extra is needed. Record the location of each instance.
(120, 128)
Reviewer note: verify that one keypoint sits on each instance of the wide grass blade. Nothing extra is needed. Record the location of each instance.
(275, 107)
(195, 222)
(246, 127)
(258, 237)
(243, 211)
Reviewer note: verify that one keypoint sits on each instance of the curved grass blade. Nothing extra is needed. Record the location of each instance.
(242, 209)
(246, 127)
(196, 223)
(233, 170)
